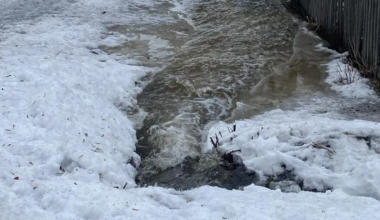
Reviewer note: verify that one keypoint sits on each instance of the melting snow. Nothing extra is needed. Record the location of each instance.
(66, 146)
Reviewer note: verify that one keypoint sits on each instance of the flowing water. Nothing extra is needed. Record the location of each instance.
(221, 60)
(234, 45)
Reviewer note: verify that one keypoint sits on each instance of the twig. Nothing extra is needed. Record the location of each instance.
(58, 53)
(214, 144)
(231, 152)
(125, 185)
(217, 140)
(320, 146)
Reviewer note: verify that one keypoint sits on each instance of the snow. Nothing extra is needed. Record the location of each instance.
(67, 143)
(280, 141)
(344, 79)
(359, 87)
(89, 202)
(63, 106)
(56, 101)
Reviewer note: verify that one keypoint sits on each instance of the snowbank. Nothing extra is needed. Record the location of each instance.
(348, 82)
(61, 104)
(318, 151)
(345, 79)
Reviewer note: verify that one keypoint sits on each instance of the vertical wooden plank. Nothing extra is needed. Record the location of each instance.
(355, 24)
(378, 41)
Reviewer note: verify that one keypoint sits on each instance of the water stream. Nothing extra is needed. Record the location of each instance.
(234, 60)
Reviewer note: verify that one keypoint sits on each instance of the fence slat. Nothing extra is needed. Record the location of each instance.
(353, 25)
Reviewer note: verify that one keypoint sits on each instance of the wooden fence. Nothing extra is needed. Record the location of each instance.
(353, 25)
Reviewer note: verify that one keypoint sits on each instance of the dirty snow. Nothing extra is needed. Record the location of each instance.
(67, 144)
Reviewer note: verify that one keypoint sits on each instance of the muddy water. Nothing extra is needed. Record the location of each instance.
(234, 45)
(236, 59)
(301, 77)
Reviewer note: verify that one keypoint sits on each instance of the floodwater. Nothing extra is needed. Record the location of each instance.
(217, 60)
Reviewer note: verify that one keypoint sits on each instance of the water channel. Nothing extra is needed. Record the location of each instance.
(217, 60)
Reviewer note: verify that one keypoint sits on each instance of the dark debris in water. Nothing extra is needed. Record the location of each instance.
(187, 175)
